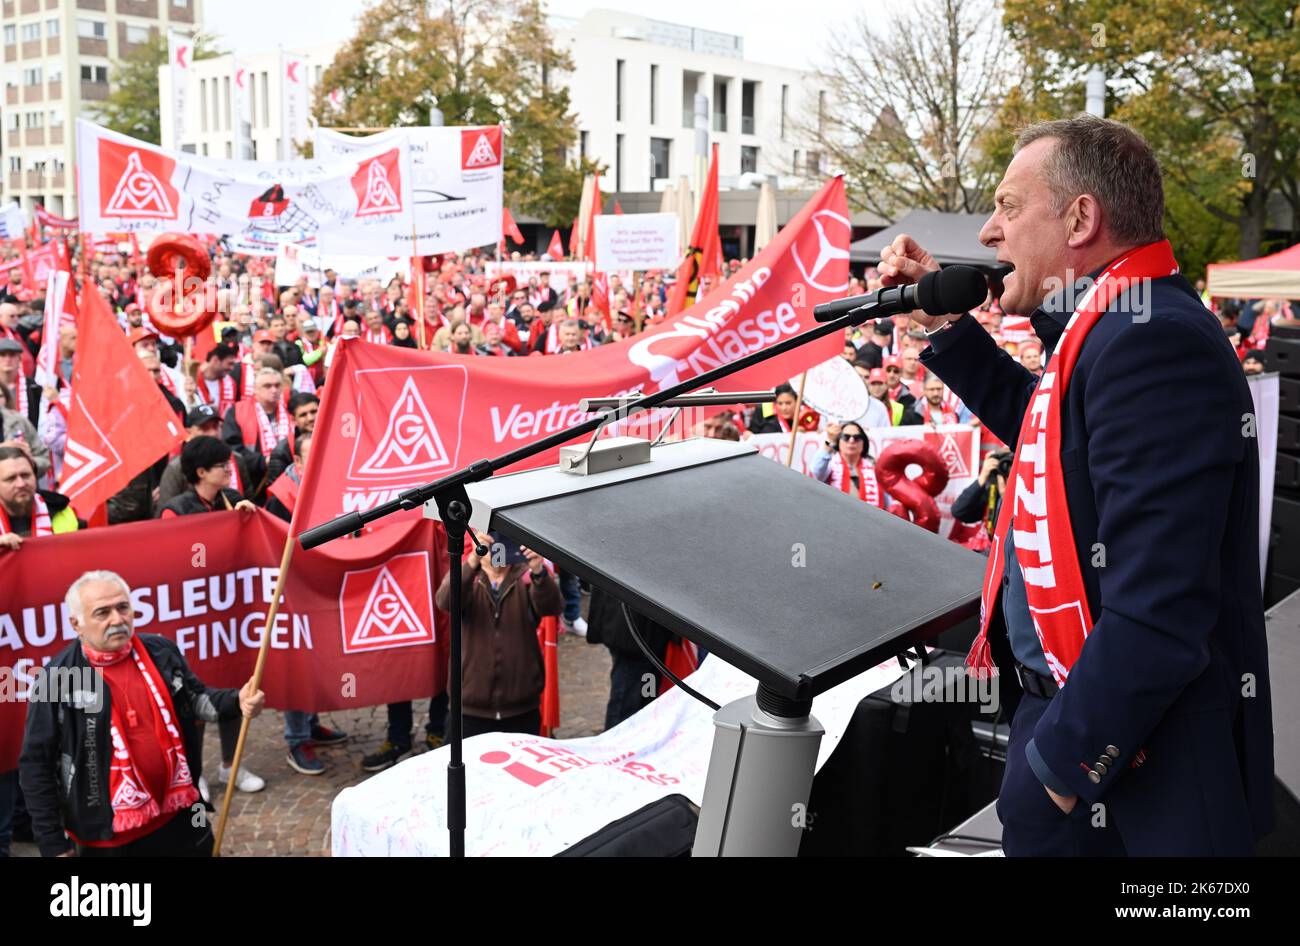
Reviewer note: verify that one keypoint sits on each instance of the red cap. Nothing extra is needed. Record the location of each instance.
(877, 374)
(140, 334)
(1029, 343)
(262, 336)
(893, 361)
(132, 307)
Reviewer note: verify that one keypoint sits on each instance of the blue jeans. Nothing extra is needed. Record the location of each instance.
(401, 718)
(297, 727)
(571, 589)
(8, 798)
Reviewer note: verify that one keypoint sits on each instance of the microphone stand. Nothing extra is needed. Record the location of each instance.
(454, 507)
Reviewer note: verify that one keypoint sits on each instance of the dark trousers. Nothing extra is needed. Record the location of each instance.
(401, 718)
(177, 838)
(630, 677)
(530, 723)
(8, 801)
(1032, 825)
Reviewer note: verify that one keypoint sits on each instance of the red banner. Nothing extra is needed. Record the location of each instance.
(36, 266)
(47, 219)
(393, 418)
(357, 626)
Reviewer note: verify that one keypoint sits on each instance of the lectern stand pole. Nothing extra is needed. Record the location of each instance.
(760, 777)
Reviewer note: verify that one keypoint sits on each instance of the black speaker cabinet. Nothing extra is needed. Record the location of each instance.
(1286, 532)
(1288, 434)
(1287, 472)
(1283, 355)
(1288, 396)
(1283, 331)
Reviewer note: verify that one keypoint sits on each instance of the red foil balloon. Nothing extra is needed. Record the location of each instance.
(173, 250)
(916, 496)
(198, 310)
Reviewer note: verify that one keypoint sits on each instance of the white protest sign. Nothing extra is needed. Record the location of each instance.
(458, 179)
(531, 796)
(637, 241)
(835, 390)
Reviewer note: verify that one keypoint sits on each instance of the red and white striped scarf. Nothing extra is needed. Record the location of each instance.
(553, 346)
(247, 378)
(20, 391)
(269, 436)
(41, 524)
(868, 486)
(1044, 546)
(225, 392)
(947, 413)
(382, 337)
(133, 804)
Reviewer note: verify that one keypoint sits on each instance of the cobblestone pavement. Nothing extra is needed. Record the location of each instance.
(291, 816)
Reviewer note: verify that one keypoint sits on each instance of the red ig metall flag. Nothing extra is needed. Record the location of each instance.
(118, 420)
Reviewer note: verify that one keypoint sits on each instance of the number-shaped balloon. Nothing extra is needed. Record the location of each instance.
(915, 496)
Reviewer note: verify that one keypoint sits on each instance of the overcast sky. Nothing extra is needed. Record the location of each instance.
(250, 26)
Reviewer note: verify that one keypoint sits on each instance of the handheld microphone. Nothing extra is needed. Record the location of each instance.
(953, 290)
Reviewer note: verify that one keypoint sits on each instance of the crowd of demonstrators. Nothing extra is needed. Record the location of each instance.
(248, 406)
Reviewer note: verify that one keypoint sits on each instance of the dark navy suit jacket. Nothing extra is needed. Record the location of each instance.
(1162, 469)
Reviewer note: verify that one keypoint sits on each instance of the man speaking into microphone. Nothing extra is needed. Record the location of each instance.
(1122, 604)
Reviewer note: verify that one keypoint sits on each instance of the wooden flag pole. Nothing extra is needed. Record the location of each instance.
(271, 613)
(794, 425)
(417, 276)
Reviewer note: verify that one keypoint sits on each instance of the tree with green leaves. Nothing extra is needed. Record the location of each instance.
(133, 107)
(1214, 85)
(478, 62)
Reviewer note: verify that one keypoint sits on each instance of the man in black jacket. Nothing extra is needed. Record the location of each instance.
(111, 765)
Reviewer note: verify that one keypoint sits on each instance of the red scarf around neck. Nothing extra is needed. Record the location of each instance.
(1036, 499)
(868, 486)
(40, 516)
(134, 806)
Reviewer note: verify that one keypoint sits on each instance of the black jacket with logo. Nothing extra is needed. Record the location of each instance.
(67, 749)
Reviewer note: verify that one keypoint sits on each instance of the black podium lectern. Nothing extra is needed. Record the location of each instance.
(795, 583)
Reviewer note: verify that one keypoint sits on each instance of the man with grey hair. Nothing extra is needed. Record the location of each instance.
(255, 425)
(1123, 591)
(115, 775)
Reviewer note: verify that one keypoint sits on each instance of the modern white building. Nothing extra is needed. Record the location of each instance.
(210, 106)
(633, 89)
(59, 59)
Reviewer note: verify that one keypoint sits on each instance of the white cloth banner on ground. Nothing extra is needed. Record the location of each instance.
(457, 180)
(958, 446)
(529, 796)
(1265, 389)
(359, 204)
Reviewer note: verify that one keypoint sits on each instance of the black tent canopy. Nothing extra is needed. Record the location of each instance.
(950, 238)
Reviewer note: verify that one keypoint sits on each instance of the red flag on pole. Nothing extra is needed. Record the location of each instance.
(118, 422)
(703, 256)
(589, 246)
(556, 250)
(509, 227)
